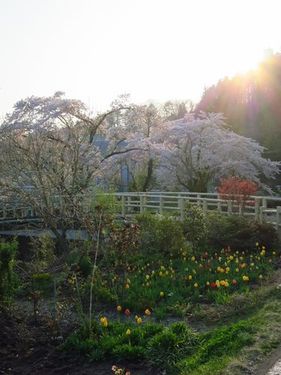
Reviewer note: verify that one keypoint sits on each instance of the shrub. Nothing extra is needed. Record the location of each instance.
(85, 265)
(160, 234)
(7, 261)
(195, 224)
(42, 282)
(239, 233)
(170, 345)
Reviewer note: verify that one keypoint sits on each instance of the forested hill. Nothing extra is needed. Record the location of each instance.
(251, 103)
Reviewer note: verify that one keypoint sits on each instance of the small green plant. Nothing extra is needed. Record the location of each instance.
(170, 345)
(116, 340)
(42, 282)
(7, 262)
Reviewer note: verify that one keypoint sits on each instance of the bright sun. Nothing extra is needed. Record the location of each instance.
(245, 62)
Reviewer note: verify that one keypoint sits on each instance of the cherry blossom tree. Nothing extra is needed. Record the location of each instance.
(141, 123)
(53, 152)
(199, 150)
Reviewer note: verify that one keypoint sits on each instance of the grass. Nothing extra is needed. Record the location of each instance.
(180, 350)
(235, 348)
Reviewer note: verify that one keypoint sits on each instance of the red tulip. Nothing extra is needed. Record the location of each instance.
(127, 312)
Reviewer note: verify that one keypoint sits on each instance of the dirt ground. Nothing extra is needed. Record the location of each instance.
(27, 348)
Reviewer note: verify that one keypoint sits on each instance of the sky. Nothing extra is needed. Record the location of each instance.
(156, 50)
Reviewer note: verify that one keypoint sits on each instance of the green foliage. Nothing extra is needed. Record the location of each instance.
(166, 348)
(160, 234)
(43, 253)
(104, 202)
(176, 348)
(85, 265)
(239, 233)
(195, 224)
(113, 341)
(42, 282)
(226, 340)
(7, 262)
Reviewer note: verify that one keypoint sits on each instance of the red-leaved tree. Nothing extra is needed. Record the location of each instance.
(237, 190)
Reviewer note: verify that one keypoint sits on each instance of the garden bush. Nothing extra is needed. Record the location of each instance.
(160, 234)
(239, 233)
(7, 262)
(170, 345)
(195, 225)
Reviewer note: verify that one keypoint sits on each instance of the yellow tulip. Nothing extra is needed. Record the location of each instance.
(104, 321)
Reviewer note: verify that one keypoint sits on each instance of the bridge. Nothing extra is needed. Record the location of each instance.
(16, 219)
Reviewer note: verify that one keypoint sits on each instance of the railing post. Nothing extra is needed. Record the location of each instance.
(129, 208)
(161, 205)
(257, 205)
(261, 216)
(123, 205)
(144, 201)
(278, 217)
(198, 200)
(141, 204)
(181, 207)
(239, 209)
(229, 207)
(205, 206)
(219, 206)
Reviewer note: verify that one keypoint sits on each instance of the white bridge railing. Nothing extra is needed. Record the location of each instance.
(262, 208)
